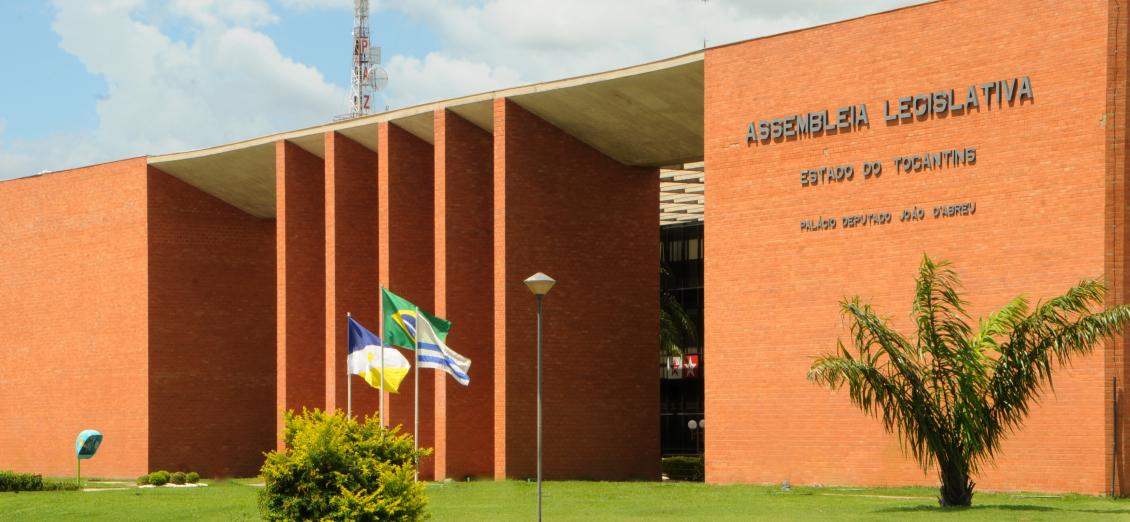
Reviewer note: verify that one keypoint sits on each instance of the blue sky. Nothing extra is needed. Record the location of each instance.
(61, 93)
(97, 80)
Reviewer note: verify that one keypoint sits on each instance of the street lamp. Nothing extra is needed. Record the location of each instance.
(539, 284)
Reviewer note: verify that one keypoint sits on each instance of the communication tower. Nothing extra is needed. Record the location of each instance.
(367, 75)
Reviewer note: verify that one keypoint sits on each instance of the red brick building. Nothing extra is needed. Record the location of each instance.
(181, 303)
(1048, 184)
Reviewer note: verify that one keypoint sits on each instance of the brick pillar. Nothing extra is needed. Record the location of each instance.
(351, 262)
(563, 208)
(1117, 246)
(404, 186)
(300, 238)
(464, 291)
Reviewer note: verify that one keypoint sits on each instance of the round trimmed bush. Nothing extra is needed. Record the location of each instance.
(159, 478)
(177, 477)
(337, 468)
(143, 480)
(192, 477)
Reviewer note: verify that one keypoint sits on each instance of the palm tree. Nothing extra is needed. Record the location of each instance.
(675, 324)
(955, 390)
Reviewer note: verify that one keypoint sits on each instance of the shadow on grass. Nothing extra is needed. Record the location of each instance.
(999, 507)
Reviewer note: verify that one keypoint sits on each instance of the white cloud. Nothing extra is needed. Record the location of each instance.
(438, 76)
(228, 82)
(321, 4)
(55, 152)
(522, 41)
(216, 12)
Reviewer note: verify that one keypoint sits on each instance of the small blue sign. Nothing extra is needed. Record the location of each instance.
(87, 443)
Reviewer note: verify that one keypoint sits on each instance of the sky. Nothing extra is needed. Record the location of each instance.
(89, 81)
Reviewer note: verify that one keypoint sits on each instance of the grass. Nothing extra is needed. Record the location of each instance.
(581, 501)
(222, 500)
(589, 502)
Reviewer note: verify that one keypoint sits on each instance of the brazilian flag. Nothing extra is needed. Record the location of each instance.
(400, 321)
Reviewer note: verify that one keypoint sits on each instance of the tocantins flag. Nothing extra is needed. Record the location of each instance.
(400, 321)
(365, 359)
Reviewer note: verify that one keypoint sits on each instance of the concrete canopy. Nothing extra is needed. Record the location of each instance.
(645, 115)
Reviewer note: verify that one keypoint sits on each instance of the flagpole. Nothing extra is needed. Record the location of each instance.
(381, 328)
(416, 393)
(348, 381)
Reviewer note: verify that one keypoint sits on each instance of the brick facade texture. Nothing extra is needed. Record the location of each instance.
(73, 319)
(211, 332)
(301, 278)
(160, 300)
(1044, 175)
(464, 291)
(352, 284)
(562, 208)
(405, 181)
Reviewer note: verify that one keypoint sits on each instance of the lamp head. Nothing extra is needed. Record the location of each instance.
(539, 284)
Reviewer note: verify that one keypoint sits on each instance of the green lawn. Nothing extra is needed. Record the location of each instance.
(225, 500)
(581, 501)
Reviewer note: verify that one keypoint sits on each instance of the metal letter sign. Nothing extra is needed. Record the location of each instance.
(87, 443)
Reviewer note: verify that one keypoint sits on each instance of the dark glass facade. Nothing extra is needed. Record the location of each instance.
(681, 382)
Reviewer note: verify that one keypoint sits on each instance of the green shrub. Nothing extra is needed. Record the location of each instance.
(143, 480)
(192, 477)
(684, 468)
(159, 478)
(177, 477)
(341, 469)
(12, 481)
(60, 485)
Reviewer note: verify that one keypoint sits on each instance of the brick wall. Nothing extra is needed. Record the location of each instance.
(73, 327)
(351, 262)
(404, 183)
(211, 332)
(562, 208)
(772, 290)
(464, 283)
(301, 279)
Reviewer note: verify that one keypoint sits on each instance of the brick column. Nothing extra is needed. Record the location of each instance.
(1117, 249)
(405, 221)
(300, 239)
(464, 291)
(563, 208)
(351, 262)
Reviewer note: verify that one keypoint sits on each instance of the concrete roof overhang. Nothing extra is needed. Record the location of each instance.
(645, 115)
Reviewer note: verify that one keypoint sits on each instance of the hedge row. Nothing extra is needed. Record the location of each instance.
(12, 481)
(684, 468)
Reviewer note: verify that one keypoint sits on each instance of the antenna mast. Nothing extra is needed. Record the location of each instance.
(367, 75)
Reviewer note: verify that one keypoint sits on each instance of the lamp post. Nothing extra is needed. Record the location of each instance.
(539, 284)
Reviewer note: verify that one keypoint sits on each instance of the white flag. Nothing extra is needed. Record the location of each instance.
(365, 359)
(433, 353)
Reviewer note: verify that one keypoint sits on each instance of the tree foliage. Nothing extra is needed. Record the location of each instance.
(957, 389)
(675, 325)
(337, 468)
